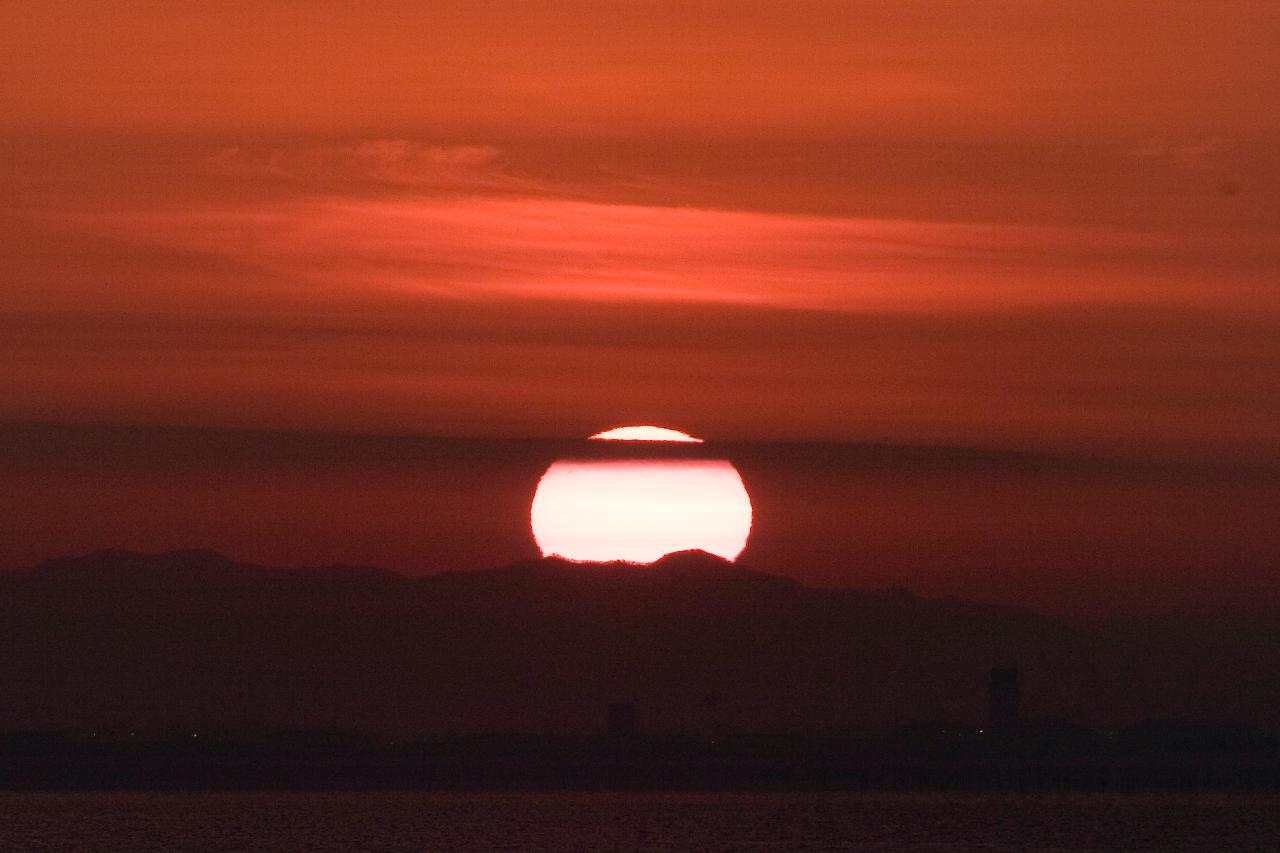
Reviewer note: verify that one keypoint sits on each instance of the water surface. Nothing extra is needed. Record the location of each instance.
(657, 822)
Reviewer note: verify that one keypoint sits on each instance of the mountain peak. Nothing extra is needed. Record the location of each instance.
(693, 559)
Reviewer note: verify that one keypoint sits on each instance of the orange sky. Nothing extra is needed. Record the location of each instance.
(1027, 225)
(911, 70)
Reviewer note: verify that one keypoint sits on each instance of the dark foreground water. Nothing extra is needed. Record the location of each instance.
(703, 823)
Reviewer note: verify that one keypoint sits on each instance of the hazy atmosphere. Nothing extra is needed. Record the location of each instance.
(904, 240)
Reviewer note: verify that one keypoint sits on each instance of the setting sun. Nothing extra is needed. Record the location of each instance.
(637, 510)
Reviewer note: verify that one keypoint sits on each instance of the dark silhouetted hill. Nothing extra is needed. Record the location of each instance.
(191, 641)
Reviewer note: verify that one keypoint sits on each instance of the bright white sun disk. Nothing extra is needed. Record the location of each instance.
(639, 510)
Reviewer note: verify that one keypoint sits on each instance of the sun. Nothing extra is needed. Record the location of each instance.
(646, 433)
(637, 509)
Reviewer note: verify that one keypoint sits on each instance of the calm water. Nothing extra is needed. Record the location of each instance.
(704, 823)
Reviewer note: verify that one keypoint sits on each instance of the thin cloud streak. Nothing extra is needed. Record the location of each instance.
(540, 248)
(396, 163)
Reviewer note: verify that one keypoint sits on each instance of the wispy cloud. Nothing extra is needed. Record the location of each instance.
(472, 246)
(407, 287)
(389, 162)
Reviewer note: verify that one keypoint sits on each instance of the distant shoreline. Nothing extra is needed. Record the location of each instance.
(780, 763)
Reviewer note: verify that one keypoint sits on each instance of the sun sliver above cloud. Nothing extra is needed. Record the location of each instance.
(645, 433)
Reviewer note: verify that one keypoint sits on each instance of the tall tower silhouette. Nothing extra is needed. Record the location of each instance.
(1003, 695)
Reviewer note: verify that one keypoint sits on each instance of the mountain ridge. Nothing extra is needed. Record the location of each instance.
(686, 566)
(192, 640)
(186, 569)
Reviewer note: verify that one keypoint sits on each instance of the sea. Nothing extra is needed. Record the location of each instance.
(563, 822)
